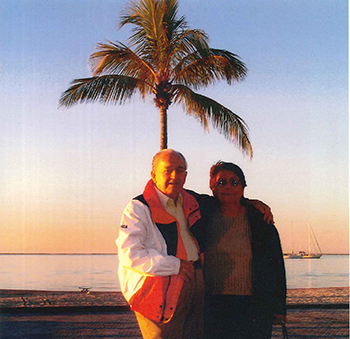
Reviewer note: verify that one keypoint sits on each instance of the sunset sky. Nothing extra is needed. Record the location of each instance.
(67, 174)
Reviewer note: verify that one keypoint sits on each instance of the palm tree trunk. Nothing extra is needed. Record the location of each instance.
(163, 128)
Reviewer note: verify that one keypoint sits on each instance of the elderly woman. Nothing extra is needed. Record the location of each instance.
(243, 264)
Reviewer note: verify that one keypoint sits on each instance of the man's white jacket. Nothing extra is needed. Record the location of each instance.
(149, 246)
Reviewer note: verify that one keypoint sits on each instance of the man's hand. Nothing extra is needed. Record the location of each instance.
(263, 208)
(279, 319)
(186, 270)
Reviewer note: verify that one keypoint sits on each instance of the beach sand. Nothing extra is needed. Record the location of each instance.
(31, 299)
(312, 313)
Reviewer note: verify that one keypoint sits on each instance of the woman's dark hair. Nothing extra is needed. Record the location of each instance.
(228, 166)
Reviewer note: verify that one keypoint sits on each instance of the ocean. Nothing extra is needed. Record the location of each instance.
(69, 272)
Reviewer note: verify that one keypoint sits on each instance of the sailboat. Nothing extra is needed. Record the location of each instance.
(310, 255)
(292, 255)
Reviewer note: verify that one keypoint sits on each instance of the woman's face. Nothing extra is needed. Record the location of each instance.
(227, 187)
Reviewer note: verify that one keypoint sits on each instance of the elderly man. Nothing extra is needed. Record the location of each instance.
(159, 243)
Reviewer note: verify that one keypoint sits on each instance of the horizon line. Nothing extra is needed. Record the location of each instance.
(98, 253)
(59, 253)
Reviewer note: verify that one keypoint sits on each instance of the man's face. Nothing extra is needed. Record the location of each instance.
(169, 174)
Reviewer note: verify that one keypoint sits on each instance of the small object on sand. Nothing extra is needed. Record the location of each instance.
(85, 290)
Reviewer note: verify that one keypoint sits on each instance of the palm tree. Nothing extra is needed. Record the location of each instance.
(169, 60)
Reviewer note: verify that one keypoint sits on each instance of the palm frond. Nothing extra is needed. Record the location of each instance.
(155, 18)
(229, 65)
(224, 120)
(205, 68)
(147, 16)
(171, 23)
(187, 42)
(105, 89)
(116, 58)
(155, 24)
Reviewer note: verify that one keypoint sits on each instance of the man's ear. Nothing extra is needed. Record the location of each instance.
(153, 176)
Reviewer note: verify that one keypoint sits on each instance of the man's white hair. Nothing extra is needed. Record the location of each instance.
(168, 150)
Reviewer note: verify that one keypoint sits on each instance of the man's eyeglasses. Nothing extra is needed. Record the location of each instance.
(223, 182)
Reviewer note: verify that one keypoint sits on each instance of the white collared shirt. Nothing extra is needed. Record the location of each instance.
(177, 211)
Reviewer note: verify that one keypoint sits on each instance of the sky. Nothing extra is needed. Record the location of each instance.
(67, 174)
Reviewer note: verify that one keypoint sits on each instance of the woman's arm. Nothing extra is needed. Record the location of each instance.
(261, 207)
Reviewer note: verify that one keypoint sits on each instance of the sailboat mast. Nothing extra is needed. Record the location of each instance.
(308, 229)
(318, 245)
(292, 237)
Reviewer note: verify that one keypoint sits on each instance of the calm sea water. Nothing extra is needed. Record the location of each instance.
(69, 272)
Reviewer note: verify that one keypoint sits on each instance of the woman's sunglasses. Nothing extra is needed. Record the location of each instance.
(223, 182)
